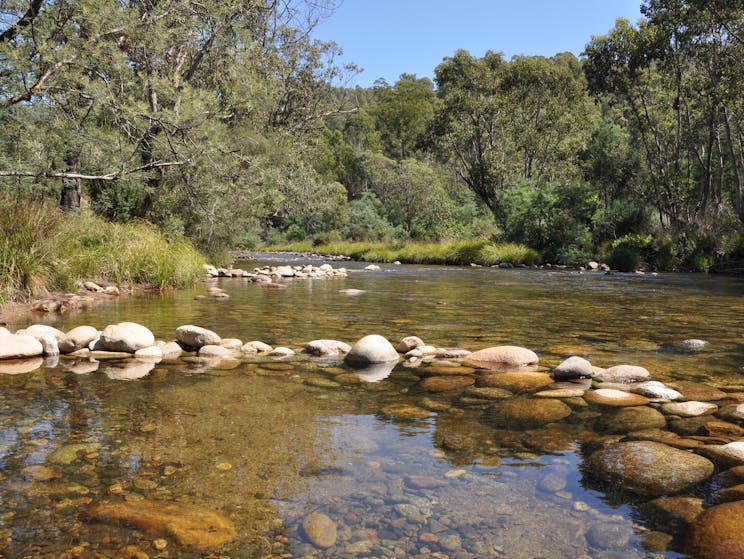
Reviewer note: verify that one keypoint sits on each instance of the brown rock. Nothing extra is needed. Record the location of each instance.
(443, 384)
(698, 391)
(718, 533)
(424, 482)
(525, 412)
(501, 357)
(516, 381)
(188, 525)
(612, 397)
(319, 530)
(19, 346)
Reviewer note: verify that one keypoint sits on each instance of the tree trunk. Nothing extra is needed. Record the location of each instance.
(71, 187)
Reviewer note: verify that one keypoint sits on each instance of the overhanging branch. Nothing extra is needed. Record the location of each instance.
(105, 177)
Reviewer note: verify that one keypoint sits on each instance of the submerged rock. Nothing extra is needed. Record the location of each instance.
(649, 468)
(319, 529)
(501, 356)
(516, 381)
(523, 412)
(623, 374)
(718, 533)
(189, 525)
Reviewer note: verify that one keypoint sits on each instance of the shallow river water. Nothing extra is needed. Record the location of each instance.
(399, 471)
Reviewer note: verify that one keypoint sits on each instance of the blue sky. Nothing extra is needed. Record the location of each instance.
(390, 37)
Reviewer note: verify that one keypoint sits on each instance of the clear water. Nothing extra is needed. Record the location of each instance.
(267, 443)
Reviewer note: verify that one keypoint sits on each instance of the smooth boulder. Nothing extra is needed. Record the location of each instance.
(371, 349)
(718, 533)
(623, 374)
(77, 338)
(327, 348)
(573, 367)
(649, 468)
(196, 336)
(127, 337)
(20, 346)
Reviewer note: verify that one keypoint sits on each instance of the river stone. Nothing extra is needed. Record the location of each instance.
(327, 348)
(38, 331)
(319, 529)
(444, 384)
(636, 418)
(573, 367)
(488, 393)
(693, 344)
(655, 390)
(189, 525)
(623, 374)
(612, 397)
(649, 468)
(405, 411)
(501, 356)
(408, 343)
(561, 393)
(50, 346)
(231, 343)
(733, 412)
(256, 347)
(699, 392)
(609, 535)
(20, 346)
(526, 412)
(20, 366)
(371, 349)
(689, 409)
(152, 353)
(517, 381)
(444, 370)
(281, 351)
(424, 482)
(727, 455)
(196, 336)
(77, 338)
(213, 350)
(674, 510)
(127, 337)
(733, 493)
(451, 353)
(718, 533)
(171, 350)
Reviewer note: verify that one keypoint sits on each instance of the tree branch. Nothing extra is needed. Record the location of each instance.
(106, 177)
(34, 7)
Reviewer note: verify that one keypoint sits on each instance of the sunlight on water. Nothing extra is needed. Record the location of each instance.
(399, 471)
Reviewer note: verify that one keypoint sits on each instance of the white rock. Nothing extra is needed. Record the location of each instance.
(152, 353)
(171, 350)
(656, 390)
(573, 367)
(212, 350)
(281, 352)
(256, 347)
(371, 349)
(77, 338)
(20, 346)
(127, 337)
(623, 373)
(372, 268)
(689, 409)
(326, 348)
(38, 331)
(408, 343)
(50, 345)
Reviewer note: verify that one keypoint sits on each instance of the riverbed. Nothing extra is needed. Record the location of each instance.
(266, 442)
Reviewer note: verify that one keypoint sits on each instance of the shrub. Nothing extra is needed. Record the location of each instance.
(624, 258)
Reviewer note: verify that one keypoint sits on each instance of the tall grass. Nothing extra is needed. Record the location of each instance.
(42, 250)
(449, 252)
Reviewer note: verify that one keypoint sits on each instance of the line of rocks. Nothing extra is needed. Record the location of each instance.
(267, 274)
(658, 439)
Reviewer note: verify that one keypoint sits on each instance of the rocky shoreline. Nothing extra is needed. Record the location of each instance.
(655, 440)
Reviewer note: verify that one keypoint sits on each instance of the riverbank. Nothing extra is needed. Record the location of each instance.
(45, 253)
(463, 253)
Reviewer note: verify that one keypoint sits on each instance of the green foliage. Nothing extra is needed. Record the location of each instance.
(554, 220)
(624, 258)
(42, 249)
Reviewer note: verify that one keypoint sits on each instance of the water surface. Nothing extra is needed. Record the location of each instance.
(266, 443)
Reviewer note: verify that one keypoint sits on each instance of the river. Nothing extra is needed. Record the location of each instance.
(266, 442)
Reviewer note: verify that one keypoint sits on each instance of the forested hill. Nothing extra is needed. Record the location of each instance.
(226, 123)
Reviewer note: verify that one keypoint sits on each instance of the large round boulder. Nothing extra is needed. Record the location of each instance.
(718, 533)
(39, 331)
(19, 346)
(77, 338)
(627, 419)
(196, 336)
(127, 337)
(649, 468)
(371, 349)
(501, 357)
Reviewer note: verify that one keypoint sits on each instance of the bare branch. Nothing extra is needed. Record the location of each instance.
(34, 7)
(106, 177)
